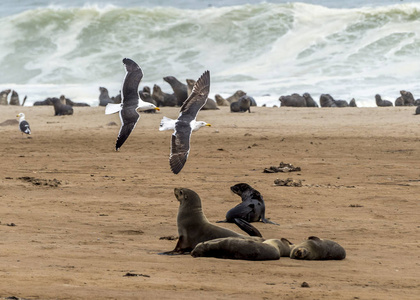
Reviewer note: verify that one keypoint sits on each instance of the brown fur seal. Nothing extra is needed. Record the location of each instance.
(193, 226)
(235, 97)
(315, 248)
(417, 110)
(162, 98)
(242, 105)
(252, 207)
(382, 103)
(247, 248)
(221, 101)
(3, 97)
(180, 89)
(61, 109)
(14, 99)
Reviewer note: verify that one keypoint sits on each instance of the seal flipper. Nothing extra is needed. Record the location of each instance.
(177, 250)
(247, 227)
(112, 108)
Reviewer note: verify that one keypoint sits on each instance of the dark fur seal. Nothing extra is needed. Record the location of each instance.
(293, 100)
(242, 105)
(180, 89)
(310, 102)
(246, 248)
(327, 101)
(3, 97)
(353, 103)
(61, 109)
(315, 248)
(382, 103)
(72, 103)
(162, 98)
(14, 99)
(104, 98)
(408, 98)
(193, 226)
(252, 207)
(417, 110)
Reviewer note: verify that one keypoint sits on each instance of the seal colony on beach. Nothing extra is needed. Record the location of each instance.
(130, 102)
(184, 125)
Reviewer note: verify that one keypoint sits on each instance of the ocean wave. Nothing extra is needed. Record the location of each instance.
(279, 47)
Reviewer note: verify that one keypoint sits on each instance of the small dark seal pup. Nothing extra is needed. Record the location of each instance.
(193, 226)
(180, 89)
(252, 207)
(23, 124)
(60, 108)
(3, 96)
(315, 248)
(247, 248)
(382, 103)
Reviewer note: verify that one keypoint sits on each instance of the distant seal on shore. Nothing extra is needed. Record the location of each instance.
(235, 97)
(252, 207)
(407, 98)
(293, 100)
(315, 248)
(61, 109)
(327, 101)
(210, 103)
(353, 103)
(180, 89)
(193, 226)
(221, 101)
(104, 98)
(14, 99)
(242, 105)
(47, 101)
(310, 102)
(162, 98)
(3, 96)
(246, 248)
(72, 103)
(417, 110)
(382, 103)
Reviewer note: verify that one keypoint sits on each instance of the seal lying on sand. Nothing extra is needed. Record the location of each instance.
(310, 102)
(104, 98)
(382, 103)
(417, 110)
(252, 207)
(180, 89)
(221, 101)
(3, 97)
(315, 248)
(247, 248)
(293, 100)
(235, 97)
(61, 109)
(193, 226)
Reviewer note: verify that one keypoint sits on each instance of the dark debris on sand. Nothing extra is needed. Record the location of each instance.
(283, 168)
(288, 182)
(42, 182)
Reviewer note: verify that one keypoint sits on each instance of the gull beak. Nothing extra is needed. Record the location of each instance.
(17, 115)
(209, 125)
(157, 108)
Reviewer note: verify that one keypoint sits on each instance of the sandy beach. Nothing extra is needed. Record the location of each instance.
(76, 216)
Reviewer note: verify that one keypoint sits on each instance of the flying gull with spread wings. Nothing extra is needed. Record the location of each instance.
(186, 123)
(130, 102)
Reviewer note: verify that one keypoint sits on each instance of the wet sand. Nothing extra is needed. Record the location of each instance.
(86, 215)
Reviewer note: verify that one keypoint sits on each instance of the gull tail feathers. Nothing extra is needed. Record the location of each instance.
(112, 108)
(167, 124)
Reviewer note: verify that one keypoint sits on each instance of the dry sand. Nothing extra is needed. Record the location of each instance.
(90, 215)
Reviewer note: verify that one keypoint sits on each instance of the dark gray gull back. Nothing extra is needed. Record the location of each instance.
(130, 100)
(180, 144)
